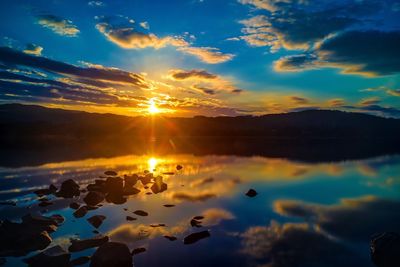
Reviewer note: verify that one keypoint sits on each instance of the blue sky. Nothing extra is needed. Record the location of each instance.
(202, 57)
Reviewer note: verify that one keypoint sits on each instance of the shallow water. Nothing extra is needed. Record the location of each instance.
(305, 214)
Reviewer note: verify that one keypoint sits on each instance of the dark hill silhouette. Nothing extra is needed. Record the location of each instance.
(312, 135)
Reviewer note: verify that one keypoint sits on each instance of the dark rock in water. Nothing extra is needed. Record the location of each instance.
(170, 238)
(129, 218)
(79, 245)
(179, 167)
(79, 213)
(10, 203)
(110, 173)
(169, 205)
(112, 254)
(168, 173)
(149, 193)
(88, 207)
(251, 193)
(45, 203)
(198, 217)
(46, 191)
(114, 185)
(3, 261)
(130, 191)
(116, 198)
(69, 189)
(74, 205)
(195, 223)
(159, 186)
(93, 198)
(96, 220)
(131, 180)
(141, 213)
(54, 256)
(138, 251)
(192, 238)
(42, 222)
(80, 261)
(385, 250)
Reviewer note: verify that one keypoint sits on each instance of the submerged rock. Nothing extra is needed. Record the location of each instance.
(385, 250)
(194, 237)
(251, 193)
(138, 251)
(74, 205)
(96, 220)
(169, 205)
(46, 191)
(129, 218)
(69, 189)
(79, 213)
(80, 261)
(170, 238)
(93, 198)
(179, 167)
(112, 254)
(79, 245)
(140, 213)
(54, 256)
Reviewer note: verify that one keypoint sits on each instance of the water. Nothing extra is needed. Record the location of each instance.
(305, 214)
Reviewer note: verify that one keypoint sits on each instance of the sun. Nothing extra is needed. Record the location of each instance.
(153, 109)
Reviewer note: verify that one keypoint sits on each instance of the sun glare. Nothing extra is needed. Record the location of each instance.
(152, 163)
(153, 109)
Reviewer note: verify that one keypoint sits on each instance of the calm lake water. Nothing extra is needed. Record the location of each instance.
(305, 214)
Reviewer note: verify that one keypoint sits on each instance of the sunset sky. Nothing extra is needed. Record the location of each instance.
(202, 57)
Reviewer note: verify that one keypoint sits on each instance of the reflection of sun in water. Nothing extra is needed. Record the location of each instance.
(152, 163)
(153, 109)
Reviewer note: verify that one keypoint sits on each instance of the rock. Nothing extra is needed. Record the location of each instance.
(80, 261)
(131, 180)
(170, 238)
(385, 250)
(45, 203)
(149, 193)
(195, 223)
(114, 185)
(159, 186)
(251, 193)
(140, 213)
(79, 213)
(74, 205)
(54, 256)
(129, 218)
(96, 220)
(116, 198)
(9, 203)
(88, 207)
(179, 167)
(169, 205)
(46, 191)
(158, 225)
(69, 189)
(93, 198)
(112, 254)
(192, 238)
(79, 245)
(110, 173)
(138, 251)
(168, 173)
(130, 191)
(198, 217)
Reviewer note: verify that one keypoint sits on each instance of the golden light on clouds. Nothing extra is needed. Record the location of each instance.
(153, 109)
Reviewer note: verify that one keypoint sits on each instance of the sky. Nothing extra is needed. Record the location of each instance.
(202, 57)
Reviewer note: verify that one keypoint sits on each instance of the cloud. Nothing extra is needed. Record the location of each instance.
(370, 101)
(178, 74)
(33, 49)
(58, 25)
(295, 244)
(299, 100)
(129, 38)
(96, 3)
(145, 25)
(393, 92)
(342, 220)
(367, 53)
(208, 55)
(336, 102)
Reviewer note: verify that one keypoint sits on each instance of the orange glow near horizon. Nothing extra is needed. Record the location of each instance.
(153, 109)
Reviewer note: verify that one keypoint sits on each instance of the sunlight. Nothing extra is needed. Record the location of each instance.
(152, 164)
(153, 109)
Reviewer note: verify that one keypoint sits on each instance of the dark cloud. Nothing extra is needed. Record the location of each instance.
(299, 100)
(299, 245)
(188, 74)
(352, 219)
(369, 53)
(12, 58)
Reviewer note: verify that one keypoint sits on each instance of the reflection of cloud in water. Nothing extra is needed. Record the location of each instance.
(131, 233)
(290, 245)
(354, 219)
